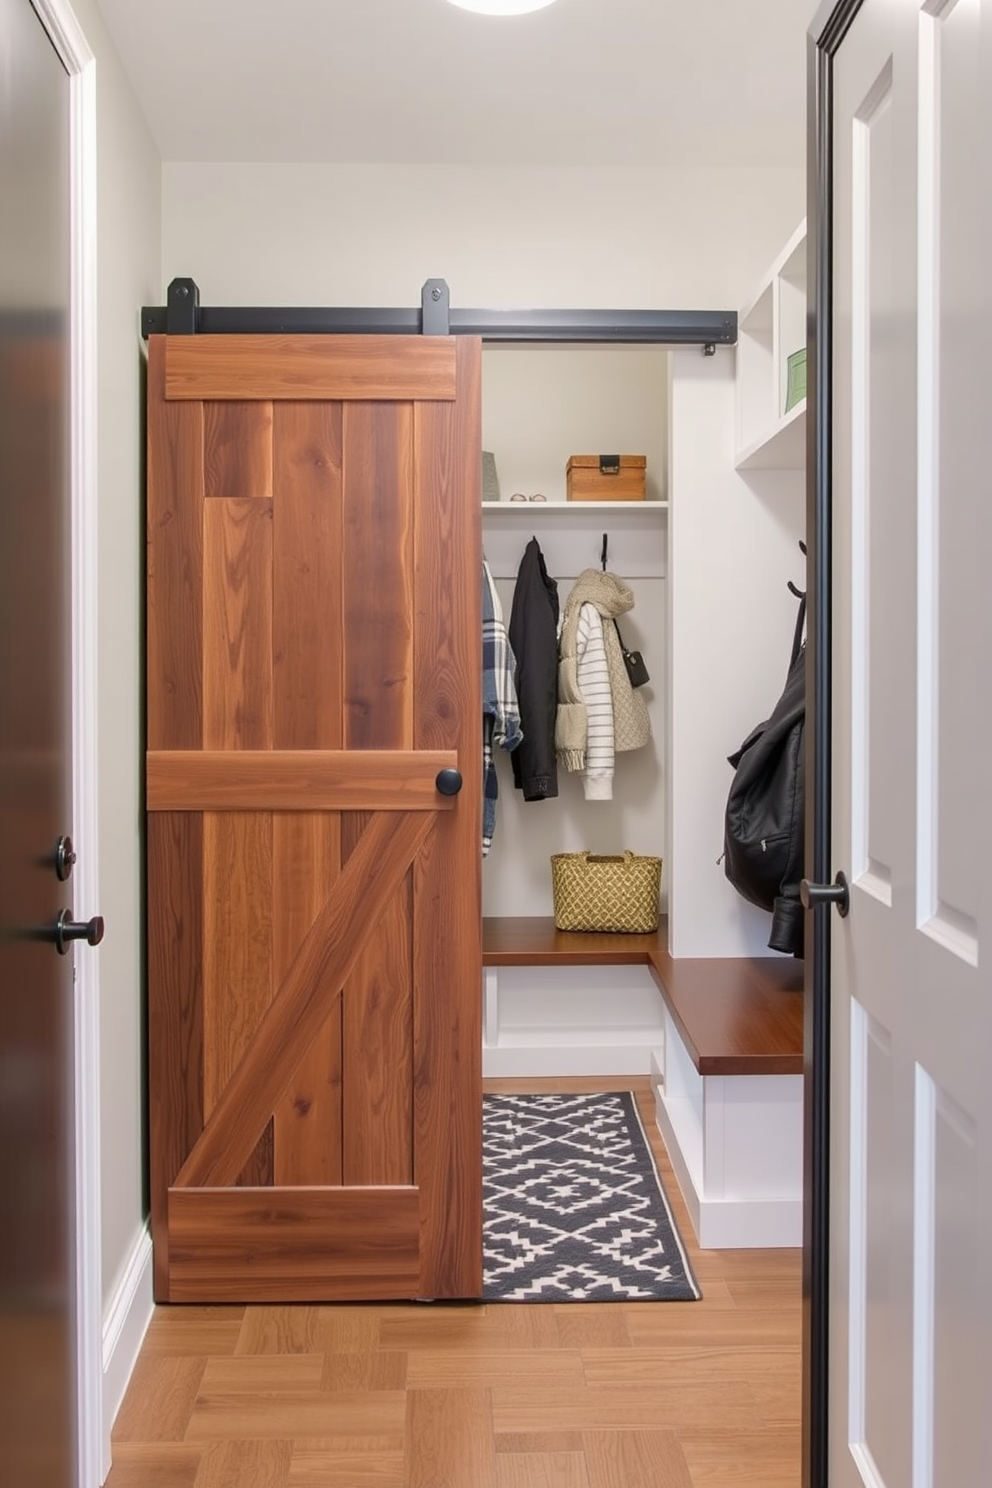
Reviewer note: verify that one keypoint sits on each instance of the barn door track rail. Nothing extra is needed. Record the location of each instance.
(183, 315)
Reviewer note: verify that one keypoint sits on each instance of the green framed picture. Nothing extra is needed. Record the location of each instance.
(795, 380)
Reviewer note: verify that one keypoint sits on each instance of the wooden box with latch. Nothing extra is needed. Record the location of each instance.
(606, 477)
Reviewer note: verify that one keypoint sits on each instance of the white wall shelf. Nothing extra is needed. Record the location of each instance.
(527, 512)
(783, 448)
(770, 329)
(571, 536)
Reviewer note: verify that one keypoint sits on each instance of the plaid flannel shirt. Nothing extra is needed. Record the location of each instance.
(500, 709)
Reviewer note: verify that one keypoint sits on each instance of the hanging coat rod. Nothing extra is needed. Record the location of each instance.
(183, 315)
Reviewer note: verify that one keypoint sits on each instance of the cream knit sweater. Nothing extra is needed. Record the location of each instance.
(593, 678)
(610, 597)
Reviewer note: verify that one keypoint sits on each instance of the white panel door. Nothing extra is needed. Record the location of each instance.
(911, 1094)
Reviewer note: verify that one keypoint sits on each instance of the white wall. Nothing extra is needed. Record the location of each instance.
(733, 548)
(129, 273)
(371, 235)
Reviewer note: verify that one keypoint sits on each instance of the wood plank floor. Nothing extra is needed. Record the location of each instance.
(457, 1395)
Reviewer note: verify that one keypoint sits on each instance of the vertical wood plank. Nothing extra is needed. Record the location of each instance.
(175, 1011)
(447, 878)
(307, 679)
(377, 1038)
(377, 570)
(237, 940)
(237, 449)
(175, 564)
(237, 624)
(306, 855)
(378, 1053)
(307, 587)
(377, 585)
(307, 661)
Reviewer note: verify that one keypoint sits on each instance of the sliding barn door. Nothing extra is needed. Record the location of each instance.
(314, 657)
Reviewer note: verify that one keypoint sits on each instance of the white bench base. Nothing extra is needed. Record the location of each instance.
(736, 1144)
(569, 1020)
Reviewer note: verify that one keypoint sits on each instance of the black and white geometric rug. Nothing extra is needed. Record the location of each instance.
(573, 1207)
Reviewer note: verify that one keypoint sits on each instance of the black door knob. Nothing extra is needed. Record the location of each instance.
(64, 858)
(449, 782)
(838, 893)
(67, 929)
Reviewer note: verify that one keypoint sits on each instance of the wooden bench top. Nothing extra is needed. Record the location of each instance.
(737, 1015)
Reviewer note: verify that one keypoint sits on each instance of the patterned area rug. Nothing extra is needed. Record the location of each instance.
(573, 1207)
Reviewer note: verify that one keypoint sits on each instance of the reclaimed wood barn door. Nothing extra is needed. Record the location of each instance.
(314, 665)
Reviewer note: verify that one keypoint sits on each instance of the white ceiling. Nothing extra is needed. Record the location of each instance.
(586, 82)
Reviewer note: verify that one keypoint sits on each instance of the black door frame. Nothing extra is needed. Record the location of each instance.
(828, 30)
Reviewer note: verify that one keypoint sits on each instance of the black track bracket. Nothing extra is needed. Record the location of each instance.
(435, 308)
(182, 310)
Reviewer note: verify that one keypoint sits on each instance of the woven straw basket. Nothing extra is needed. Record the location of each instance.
(617, 894)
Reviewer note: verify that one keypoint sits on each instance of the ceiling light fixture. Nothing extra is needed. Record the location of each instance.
(502, 7)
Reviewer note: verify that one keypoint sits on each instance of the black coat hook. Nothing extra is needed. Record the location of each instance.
(604, 551)
(799, 593)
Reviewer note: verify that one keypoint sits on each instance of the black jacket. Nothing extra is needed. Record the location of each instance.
(533, 633)
(764, 825)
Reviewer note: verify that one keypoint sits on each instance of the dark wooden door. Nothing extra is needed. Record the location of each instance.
(314, 660)
(36, 1212)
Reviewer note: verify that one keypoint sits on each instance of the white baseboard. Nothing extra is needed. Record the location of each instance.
(125, 1323)
(751, 1224)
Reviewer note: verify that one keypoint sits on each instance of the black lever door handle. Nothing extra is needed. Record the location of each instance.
(67, 929)
(839, 893)
(448, 782)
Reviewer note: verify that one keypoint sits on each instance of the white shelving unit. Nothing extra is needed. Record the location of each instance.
(770, 329)
(527, 511)
(541, 404)
(571, 535)
(578, 1020)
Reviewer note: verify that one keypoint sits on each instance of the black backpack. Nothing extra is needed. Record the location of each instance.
(764, 836)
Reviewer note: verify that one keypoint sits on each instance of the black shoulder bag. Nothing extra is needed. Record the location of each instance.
(633, 661)
(764, 835)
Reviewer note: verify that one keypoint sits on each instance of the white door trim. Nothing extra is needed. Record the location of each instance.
(67, 37)
(125, 1322)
